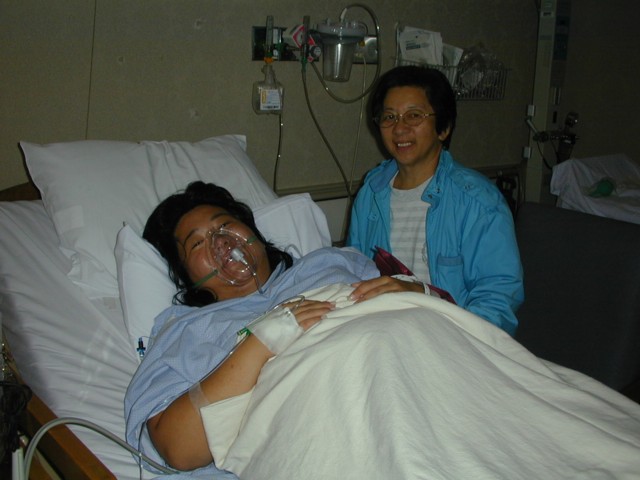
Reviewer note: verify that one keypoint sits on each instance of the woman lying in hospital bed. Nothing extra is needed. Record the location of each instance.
(269, 369)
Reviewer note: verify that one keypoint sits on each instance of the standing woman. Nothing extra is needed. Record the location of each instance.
(447, 223)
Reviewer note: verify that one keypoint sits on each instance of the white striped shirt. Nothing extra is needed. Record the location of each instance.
(408, 229)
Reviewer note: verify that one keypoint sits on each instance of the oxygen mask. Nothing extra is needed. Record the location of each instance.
(230, 258)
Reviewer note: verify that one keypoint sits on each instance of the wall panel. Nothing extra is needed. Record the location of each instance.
(169, 69)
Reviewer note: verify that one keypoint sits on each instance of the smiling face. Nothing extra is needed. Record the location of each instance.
(416, 149)
(191, 237)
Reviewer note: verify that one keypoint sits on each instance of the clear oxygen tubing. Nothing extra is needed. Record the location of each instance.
(31, 448)
(276, 167)
(350, 191)
(197, 396)
(42, 431)
(348, 182)
(324, 137)
(35, 440)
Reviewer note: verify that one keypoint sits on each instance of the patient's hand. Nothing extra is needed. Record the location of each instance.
(377, 286)
(310, 312)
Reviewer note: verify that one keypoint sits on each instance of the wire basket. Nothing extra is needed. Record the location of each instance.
(471, 83)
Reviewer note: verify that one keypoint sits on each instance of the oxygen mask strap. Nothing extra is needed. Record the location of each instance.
(200, 282)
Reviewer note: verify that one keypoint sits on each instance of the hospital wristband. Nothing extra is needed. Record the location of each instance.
(413, 279)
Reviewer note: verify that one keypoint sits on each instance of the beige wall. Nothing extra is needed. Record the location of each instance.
(181, 70)
(603, 69)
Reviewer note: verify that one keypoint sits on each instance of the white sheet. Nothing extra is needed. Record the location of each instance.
(75, 352)
(572, 178)
(71, 351)
(409, 386)
(83, 371)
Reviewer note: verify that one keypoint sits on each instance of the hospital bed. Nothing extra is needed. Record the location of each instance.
(80, 288)
(73, 336)
(607, 186)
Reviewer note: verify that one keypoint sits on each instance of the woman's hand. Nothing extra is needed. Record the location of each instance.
(368, 289)
(309, 312)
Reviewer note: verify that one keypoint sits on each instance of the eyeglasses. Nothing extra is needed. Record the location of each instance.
(413, 118)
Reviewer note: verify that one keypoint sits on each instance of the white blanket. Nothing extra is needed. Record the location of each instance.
(571, 181)
(406, 386)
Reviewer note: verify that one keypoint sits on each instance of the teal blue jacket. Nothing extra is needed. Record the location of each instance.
(471, 242)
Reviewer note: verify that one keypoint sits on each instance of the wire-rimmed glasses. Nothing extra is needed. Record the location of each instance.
(412, 118)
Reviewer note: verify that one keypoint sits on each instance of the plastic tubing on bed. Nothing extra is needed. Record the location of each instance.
(276, 329)
(31, 449)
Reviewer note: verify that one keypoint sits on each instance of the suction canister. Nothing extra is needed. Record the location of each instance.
(339, 41)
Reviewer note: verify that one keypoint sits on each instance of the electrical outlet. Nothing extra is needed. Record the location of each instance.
(531, 111)
(367, 51)
(526, 152)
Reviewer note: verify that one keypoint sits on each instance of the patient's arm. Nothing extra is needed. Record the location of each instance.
(178, 433)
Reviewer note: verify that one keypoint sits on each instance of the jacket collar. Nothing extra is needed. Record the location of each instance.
(388, 169)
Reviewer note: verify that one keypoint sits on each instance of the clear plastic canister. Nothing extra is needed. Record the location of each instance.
(339, 41)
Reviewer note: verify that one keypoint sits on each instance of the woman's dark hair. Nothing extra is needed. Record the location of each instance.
(436, 86)
(161, 226)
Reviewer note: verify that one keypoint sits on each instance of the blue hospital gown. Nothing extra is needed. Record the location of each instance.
(187, 342)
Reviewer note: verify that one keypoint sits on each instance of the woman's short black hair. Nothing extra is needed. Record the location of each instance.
(161, 226)
(436, 86)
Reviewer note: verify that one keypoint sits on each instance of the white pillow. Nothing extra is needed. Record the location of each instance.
(91, 188)
(144, 283)
(293, 223)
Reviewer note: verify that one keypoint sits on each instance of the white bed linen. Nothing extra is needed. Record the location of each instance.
(570, 180)
(73, 352)
(83, 371)
(409, 386)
